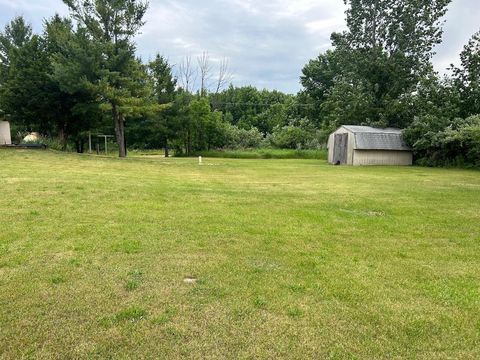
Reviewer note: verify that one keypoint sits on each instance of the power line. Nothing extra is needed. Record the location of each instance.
(258, 104)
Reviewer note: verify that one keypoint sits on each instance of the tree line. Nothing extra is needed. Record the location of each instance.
(379, 72)
(81, 75)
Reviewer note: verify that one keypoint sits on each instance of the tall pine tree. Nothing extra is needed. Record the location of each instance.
(120, 83)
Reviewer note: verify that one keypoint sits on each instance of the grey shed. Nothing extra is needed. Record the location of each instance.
(5, 138)
(365, 145)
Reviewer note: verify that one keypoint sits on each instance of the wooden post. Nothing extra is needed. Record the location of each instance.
(89, 142)
(105, 137)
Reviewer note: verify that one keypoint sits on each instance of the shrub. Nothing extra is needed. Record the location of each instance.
(238, 138)
(443, 142)
(50, 142)
(299, 134)
(289, 137)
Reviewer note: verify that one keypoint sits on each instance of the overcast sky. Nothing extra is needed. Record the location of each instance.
(266, 41)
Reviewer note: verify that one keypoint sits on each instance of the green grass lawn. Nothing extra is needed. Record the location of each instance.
(253, 259)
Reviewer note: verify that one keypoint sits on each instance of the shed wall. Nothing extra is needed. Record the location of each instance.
(382, 157)
(5, 137)
(330, 147)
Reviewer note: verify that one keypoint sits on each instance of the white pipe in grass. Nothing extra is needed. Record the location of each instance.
(200, 161)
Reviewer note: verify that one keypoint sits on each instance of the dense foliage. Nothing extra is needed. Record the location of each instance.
(442, 141)
(80, 76)
(379, 73)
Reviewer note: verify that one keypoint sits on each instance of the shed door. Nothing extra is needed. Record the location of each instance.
(340, 149)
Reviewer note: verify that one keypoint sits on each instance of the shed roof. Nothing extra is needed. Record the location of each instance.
(369, 138)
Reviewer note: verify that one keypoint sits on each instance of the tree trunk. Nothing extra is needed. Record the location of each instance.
(79, 145)
(119, 131)
(62, 135)
(166, 148)
(189, 142)
(124, 138)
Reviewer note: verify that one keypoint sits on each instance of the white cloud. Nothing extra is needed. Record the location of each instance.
(333, 24)
(461, 24)
(26, 6)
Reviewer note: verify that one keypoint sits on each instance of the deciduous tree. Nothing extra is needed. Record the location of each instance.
(467, 76)
(381, 58)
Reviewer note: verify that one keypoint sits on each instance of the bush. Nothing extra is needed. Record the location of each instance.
(49, 142)
(238, 138)
(299, 134)
(443, 142)
(289, 137)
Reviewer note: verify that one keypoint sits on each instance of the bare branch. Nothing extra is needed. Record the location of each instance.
(205, 72)
(224, 75)
(187, 74)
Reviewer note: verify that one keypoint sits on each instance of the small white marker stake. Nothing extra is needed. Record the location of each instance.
(200, 161)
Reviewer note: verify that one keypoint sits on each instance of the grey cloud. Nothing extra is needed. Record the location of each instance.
(462, 21)
(267, 42)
